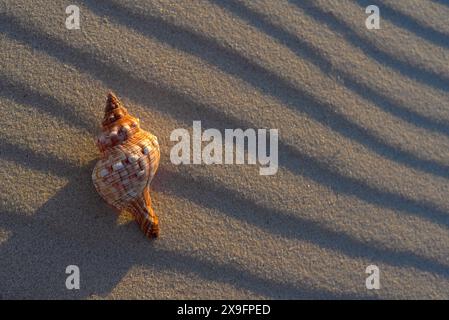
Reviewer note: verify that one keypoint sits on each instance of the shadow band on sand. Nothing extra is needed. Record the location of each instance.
(25, 95)
(306, 51)
(214, 196)
(410, 24)
(147, 93)
(443, 2)
(289, 225)
(417, 73)
(76, 234)
(270, 83)
(103, 268)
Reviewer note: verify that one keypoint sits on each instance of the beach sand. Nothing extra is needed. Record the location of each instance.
(363, 119)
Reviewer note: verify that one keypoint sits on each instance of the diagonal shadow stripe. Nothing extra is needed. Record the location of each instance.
(235, 205)
(419, 74)
(99, 261)
(443, 2)
(227, 273)
(32, 160)
(409, 23)
(322, 173)
(167, 101)
(307, 51)
(270, 83)
(24, 94)
(288, 225)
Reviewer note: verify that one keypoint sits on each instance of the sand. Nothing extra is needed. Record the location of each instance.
(363, 119)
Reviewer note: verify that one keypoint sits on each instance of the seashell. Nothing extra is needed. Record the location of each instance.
(129, 159)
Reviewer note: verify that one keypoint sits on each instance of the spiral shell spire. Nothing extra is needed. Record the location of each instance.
(112, 103)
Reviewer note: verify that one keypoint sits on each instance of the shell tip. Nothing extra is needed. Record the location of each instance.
(113, 102)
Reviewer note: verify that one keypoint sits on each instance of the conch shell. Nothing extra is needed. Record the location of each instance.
(129, 159)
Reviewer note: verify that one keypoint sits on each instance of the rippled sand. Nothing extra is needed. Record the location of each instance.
(363, 117)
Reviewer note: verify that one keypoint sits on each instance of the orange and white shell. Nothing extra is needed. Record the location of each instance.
(129, 160)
